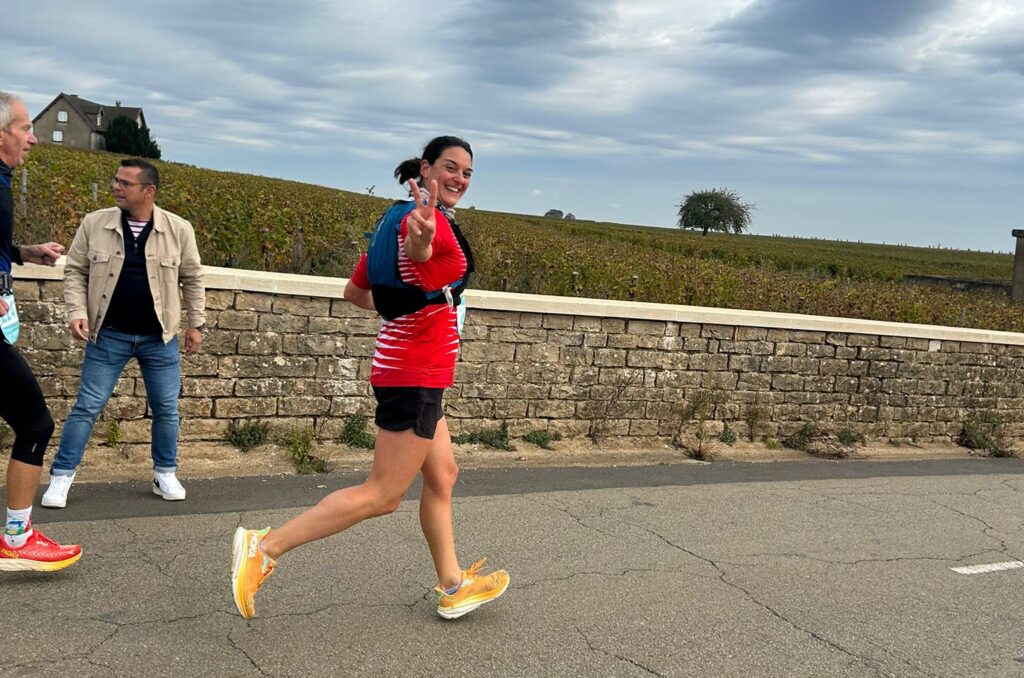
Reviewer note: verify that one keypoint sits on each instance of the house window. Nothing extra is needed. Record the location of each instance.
(58, 136)
(62, 116)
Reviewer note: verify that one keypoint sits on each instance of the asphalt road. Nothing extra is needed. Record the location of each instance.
(727, 569)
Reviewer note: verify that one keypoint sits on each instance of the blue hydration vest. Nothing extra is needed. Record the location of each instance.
(392, 297)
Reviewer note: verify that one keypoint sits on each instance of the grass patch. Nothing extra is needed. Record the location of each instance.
(299, 443)
(849, 437)
(982, 433)
(754, 416)
(115, 436)
(727, 436)
(247, 435)
(801, 440)
(542, 439)
(355, 433)
(493, 437)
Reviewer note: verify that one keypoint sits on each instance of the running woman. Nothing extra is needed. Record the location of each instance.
(413, 362)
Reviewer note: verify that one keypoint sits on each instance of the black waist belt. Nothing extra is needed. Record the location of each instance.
(6, 283)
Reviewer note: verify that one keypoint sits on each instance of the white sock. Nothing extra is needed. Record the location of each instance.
(19, 527)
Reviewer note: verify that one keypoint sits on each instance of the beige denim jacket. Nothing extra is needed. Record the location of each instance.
(96, 256)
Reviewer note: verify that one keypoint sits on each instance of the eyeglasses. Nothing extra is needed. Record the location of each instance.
(121, 183)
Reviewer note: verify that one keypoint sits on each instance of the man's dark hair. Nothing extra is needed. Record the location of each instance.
(149, 173)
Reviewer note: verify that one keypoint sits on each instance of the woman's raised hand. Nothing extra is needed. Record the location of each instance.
(421, 224)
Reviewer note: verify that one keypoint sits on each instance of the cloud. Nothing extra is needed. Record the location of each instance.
(602, 103)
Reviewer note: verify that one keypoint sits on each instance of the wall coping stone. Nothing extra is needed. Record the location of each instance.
(217, 278)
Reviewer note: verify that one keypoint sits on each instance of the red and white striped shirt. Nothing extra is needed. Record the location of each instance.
(419, 349)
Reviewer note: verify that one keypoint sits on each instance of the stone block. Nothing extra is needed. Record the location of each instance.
(338, 368)
(790, 349)
(607, 357)
(280, 323)
(724, 332)
(256, 388)
(565, 338)
(651, 327)
(787, 382)
(462, 408)
(267, 366)
(226, 408)
(253, 301)
(303, 405)
(751, 334)
(536, 353)
(484, 352)
(309, 344)
(220, 342)
(195, 407)
(259, 343)
(219, 300)
(237, 320)
(198, 387)
(302, 306)
(627, 341)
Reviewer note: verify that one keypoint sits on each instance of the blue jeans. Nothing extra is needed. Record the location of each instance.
(105, 359)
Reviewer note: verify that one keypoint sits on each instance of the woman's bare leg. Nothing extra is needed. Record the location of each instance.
(397, 458)
(439, 474)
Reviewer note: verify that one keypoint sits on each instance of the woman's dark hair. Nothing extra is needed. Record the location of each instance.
(410, 169)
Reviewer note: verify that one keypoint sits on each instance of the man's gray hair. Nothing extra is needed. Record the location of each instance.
(7, 101)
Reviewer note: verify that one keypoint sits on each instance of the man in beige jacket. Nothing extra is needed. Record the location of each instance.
(127, 272)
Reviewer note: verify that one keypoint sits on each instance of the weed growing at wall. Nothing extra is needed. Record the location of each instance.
(542, 439)
(754, 416)
(299, 443)
(114, 434)
(355, 434)
(494, 437)
(247, 435)
(982, 432)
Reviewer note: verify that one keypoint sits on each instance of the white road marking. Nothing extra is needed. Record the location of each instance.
(990, 567)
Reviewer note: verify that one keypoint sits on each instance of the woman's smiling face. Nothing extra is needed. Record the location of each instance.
(452, 171)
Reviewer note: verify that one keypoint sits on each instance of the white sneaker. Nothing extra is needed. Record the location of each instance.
(56, 495)
(167, 486)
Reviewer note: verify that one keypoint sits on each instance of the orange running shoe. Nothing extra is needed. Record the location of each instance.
(474, 591)
(250, 567)
(39, 554)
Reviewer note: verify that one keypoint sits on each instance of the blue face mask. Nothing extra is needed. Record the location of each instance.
(9, 322)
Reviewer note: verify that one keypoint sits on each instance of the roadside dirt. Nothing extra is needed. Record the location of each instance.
(211, 460)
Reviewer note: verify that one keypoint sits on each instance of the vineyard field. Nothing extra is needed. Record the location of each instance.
(261, 223)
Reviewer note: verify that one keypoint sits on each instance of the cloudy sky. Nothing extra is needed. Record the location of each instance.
(876, 120)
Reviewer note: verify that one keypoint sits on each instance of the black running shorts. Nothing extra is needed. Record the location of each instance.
(400, 408)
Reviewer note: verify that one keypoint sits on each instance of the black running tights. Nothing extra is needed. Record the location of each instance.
(22, 407)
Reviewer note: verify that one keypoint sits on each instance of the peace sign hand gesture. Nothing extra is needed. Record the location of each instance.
(421, 224)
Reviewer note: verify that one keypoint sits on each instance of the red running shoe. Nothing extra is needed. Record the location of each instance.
(40, 554)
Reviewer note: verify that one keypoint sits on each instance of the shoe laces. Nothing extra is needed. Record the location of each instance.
(44, 540)
(473, 569)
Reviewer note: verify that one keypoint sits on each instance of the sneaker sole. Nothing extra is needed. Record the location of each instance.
(237, 558)
(50, 503)
(158, 492)
(24, 565)
(465, 608)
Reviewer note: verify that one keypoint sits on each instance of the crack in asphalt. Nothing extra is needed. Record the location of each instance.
(239, 649)
(866, 661)
(1004, 548)
(594, 648)
(862, 561)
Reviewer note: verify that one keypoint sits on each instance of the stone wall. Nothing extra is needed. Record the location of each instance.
(288, 349)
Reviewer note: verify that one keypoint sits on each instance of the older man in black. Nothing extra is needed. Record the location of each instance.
(21, 400)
